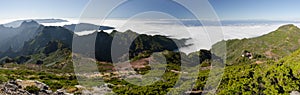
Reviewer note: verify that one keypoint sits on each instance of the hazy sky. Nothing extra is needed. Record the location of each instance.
(226, 9)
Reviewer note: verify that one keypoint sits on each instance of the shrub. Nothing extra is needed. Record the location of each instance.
(3, 79)
(32, 89)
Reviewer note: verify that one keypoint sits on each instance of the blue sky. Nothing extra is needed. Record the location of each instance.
(225, 9)
(41, 8)
(257, 9)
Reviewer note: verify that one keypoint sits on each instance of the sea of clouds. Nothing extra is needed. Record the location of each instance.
(202, 37)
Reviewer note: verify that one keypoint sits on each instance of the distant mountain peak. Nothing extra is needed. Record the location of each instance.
(106, 28)
(29, 23)
(87, 27)
(52, 20)
(18, 23)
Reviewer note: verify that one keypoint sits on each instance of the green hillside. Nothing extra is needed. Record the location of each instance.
(280, 77)
(275, 45)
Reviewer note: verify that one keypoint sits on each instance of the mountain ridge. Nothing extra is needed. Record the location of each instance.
(15, 37)
(17, 23)
(274, 45)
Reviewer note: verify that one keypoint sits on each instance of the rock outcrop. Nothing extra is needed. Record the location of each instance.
(17, 87)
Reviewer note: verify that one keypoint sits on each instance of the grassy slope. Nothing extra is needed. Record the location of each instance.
(53, 80)
(274, 45)
(56, 62)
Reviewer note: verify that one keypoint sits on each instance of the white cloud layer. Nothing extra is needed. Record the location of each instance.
(203, 37)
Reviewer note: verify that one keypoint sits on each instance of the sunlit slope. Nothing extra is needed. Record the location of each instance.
(275, 45)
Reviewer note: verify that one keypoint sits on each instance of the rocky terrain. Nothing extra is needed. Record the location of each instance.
(22, 87)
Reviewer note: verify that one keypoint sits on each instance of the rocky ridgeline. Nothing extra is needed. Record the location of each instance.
(17, 87)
